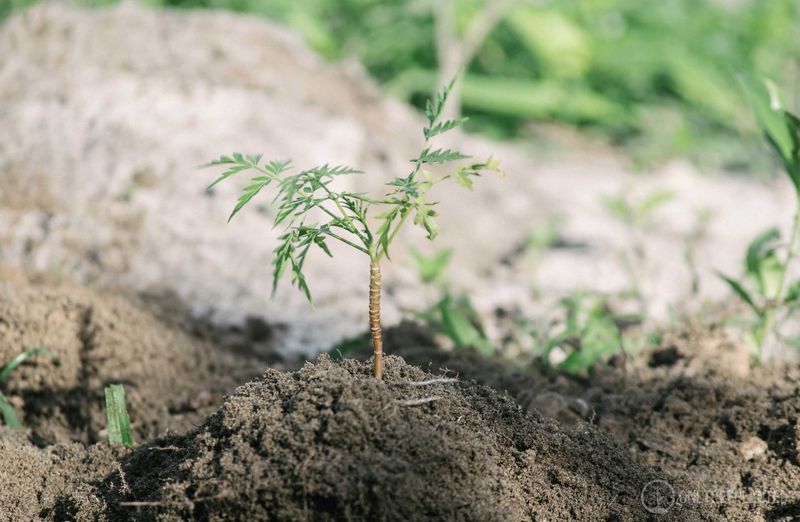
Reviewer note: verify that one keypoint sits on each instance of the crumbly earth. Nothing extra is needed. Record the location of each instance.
(172, 379)
(692, 408)
(330, 442)
(687, 422)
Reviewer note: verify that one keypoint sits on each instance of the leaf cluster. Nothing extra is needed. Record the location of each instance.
(313, 211)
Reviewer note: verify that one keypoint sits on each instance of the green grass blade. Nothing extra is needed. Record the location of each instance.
(9, 415)
(118, 423)
(21, 358)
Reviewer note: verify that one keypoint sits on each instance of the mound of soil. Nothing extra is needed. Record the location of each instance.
(172, 380)
(692, 408)
(329, 442)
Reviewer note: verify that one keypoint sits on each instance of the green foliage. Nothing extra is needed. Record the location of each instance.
(431, 269)
(118, 424)
(764, 287)
(313, 211)
(6, 409)
(453, 314)
(656, 75)
(460, 322)
(637, 213)
(590, 332)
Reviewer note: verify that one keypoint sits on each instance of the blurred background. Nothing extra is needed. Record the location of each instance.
(635, 168)
(654, 77)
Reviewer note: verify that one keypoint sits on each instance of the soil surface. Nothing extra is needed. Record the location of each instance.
(329, 442)
(693, 408)
(685, 432)
(172, 379)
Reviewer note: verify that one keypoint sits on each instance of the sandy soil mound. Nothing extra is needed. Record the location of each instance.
(329, 443)
(172, 379)
(692, 408)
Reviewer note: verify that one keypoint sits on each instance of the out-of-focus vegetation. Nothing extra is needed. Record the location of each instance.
(766, 286)
(656, 75)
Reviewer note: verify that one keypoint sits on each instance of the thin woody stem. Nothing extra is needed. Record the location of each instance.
(375, 315)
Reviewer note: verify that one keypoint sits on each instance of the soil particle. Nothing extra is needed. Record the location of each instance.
(330, 442)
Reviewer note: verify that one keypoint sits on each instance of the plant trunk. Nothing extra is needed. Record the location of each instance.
(375, 315)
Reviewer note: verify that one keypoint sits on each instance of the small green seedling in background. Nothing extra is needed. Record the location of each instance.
(638, 216)
(118, 424)
(313, 211)
(453, 315)
(541, 238)
(9, 415)
(765, 287)
(590, 332)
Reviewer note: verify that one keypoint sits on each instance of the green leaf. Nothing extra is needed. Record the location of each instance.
(431, 268)
(441, 128)
(739, 289)
(792, 293)
(440, 156)
(434, 107)
(760, 251)
(9, 415)
(769, 115)
(22, 357)
(793, 166)
(651, 202)
(118, 423)
(457, 326)
(249, 192)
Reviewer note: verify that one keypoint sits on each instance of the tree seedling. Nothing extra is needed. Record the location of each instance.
(9, 415)
(765, 287)
(312, 211)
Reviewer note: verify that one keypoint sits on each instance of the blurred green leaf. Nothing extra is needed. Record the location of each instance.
(9, 415)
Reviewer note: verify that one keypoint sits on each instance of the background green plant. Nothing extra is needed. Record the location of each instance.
(9, 415)
(656, 75)
(453, 314)
(589, 332)
(765, 287)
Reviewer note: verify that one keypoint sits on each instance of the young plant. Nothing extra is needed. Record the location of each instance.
(637, 215)
(766, 288)
(590, 332)
(9, 415)
(453, 314)
(118, 423)
(313, 211)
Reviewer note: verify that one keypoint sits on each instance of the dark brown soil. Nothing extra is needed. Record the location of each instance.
(690, 422)
(692, 408)
(329, 442)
